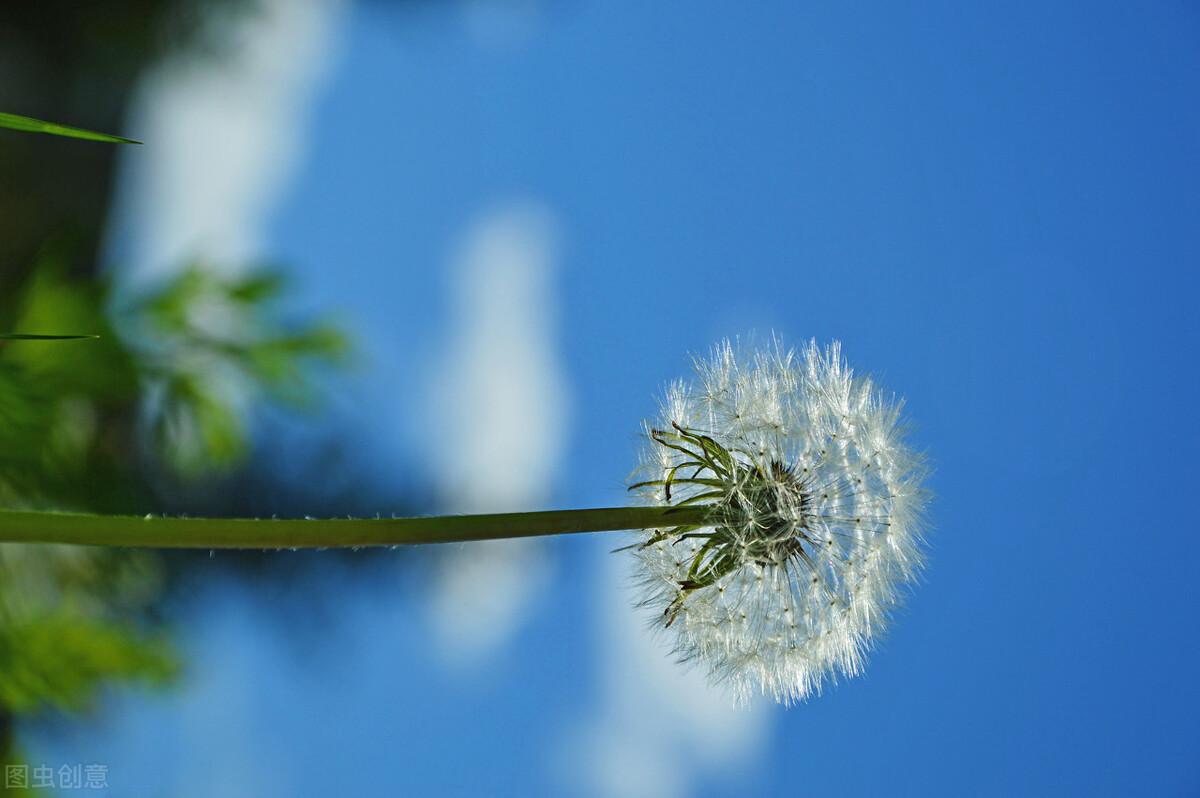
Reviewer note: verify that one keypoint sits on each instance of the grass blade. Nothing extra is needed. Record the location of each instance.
(30, 125)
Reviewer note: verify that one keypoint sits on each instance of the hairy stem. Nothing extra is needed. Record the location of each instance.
(154, 531)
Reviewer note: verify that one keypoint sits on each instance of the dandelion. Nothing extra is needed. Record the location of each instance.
(814, 509)
(780, 515)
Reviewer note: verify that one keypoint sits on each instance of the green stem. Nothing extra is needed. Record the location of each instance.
(154, 531)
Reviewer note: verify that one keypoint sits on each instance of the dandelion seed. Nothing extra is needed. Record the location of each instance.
(814, 521)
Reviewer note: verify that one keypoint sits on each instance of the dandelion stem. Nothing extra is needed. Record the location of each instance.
(153, 531)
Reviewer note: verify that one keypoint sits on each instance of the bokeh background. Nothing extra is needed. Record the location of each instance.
(523, 217)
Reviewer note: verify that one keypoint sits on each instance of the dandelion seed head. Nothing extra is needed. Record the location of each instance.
(812, 522)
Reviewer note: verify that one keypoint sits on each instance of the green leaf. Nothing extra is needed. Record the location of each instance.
(30, 125)
(36, 337)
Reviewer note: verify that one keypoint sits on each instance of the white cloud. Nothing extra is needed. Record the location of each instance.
(658, 727)
(498, 421)
(223, 135)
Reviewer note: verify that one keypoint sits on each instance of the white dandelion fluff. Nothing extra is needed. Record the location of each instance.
(813, 521)
(781, 509)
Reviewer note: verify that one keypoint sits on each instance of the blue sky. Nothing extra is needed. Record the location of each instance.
(993, 208)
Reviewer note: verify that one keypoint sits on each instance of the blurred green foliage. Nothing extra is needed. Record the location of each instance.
(163, 392)
(69, 624)
(202, 343)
